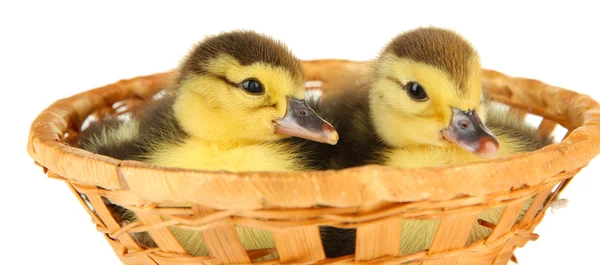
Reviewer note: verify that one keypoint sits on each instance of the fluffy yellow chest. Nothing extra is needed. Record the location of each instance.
(424, 156)
(201, 155)
(433, 156)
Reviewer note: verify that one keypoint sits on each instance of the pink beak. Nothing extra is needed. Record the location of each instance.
(302, 121)
(467, 131)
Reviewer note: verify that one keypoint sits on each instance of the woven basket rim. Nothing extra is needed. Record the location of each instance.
(374, 182)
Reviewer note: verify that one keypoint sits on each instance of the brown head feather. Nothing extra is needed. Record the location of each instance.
(247, 47)
(437, 47)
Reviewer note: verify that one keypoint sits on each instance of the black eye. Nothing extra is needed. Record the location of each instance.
(416, 91)
(252, 86)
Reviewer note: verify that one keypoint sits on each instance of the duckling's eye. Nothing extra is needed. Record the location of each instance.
(252, 86)
(416, 91)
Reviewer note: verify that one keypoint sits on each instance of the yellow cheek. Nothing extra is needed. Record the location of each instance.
(281, 108)
(443, 114)
(394, 98)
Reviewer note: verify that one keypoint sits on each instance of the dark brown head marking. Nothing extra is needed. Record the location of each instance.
(437, 47)
(247, 47)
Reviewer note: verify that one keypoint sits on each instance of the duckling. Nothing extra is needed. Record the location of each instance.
(238, 101)
(423, 107)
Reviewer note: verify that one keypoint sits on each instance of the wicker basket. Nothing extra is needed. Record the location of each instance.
(370, 198)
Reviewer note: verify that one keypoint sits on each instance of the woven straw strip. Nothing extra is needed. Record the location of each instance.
(533, 208)
(223, 242)
(179, 211)
(505, 254)
(504, 257)
(301, 244)
(135, 254)
(161, 236)
(452, 233)
(259, 253)
(297, 213)
(268, 262)
(152, 226)
(378, 239)
(178, 259)
(96, 220)
(226, 222)
(546, 127)
(129, 228)
(507, 220)
(206, 217)
(486, 257)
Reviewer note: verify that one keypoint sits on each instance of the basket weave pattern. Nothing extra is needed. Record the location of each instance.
(372, 198)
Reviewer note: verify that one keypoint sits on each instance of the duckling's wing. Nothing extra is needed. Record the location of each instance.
(359, 143)
(112, 137)
(514, 130)
(159, 125)
(135, 138)
(349, 113)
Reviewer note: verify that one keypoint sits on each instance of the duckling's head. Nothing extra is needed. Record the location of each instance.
(427, 91)
(245, 86)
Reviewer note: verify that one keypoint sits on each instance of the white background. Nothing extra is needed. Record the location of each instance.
(54, 49)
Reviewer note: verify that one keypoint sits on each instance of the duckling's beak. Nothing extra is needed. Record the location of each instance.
(467, 131)
(300, 120)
